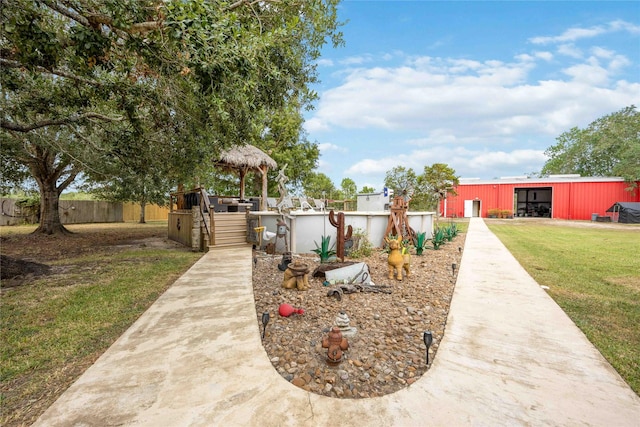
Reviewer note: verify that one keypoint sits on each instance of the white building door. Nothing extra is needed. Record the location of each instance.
(471, 208)
(468, 208)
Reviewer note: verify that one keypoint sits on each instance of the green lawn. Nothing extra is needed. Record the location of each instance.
(55, 326)
(594, 275)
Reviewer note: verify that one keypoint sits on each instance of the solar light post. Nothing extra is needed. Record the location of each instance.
(453, 268)
(265, 320)
(427, 337)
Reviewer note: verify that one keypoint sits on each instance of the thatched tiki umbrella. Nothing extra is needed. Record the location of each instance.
(244, 158)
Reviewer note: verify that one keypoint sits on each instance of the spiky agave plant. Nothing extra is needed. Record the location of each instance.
(421, 242)
(324, 250)
(439, 238)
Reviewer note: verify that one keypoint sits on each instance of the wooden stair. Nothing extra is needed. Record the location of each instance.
(228, 229)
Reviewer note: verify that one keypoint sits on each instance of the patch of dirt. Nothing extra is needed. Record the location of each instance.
(27, 256)
(14, 271)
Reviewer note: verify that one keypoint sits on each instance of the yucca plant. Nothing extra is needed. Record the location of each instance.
(325, 251)
(451, 231)
(439, 238)
(421, 242)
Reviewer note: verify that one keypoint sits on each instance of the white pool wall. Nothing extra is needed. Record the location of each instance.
(307, 227)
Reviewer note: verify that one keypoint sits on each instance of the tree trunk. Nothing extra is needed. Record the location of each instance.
(143, 204)
(49, 209)
(47, 170)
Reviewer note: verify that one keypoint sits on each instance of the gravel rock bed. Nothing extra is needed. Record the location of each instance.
(387, 352)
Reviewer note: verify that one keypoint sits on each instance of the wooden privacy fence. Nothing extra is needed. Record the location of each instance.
(82, 212)
(71, 212)
(131, 212)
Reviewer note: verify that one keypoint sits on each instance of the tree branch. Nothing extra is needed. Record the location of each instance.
(73, 173)
(57, 122)
(138, 28)
(144, 27)
(15, 64)
(236, 4)
(95, 20)
(79, 135)
(69, 13)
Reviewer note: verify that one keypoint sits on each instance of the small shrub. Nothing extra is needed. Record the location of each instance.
(362, 247)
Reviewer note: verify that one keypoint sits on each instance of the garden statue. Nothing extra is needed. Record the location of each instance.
(296, 276)
(335, 345)
(281, 243)
(342, 322)
(282, 180)
(397, 261)
(341, 236)
(287, 257)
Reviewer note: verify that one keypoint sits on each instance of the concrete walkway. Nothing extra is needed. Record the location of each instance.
(510, 356)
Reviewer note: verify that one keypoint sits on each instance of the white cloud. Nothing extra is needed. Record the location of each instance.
(570, 35)
(316, 125)
(602, 52)
(618, 62)
(356, 60)
(547, 56)
(326, 146)
(575, 34)
(325, 62)
(624, 26)
(570, 51)
(369, 166)
(495, 160)
(457, 99)
(590, 73)
(459, 158)
(525, 57)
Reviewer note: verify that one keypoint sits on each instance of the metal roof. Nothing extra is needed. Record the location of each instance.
(551, 179)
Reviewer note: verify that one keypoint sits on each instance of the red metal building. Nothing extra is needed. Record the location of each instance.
(558, 196)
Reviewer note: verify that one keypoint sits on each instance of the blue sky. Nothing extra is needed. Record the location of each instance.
(485, 87)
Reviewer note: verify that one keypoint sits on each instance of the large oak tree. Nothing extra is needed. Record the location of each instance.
(609, 146)
(148, 89)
